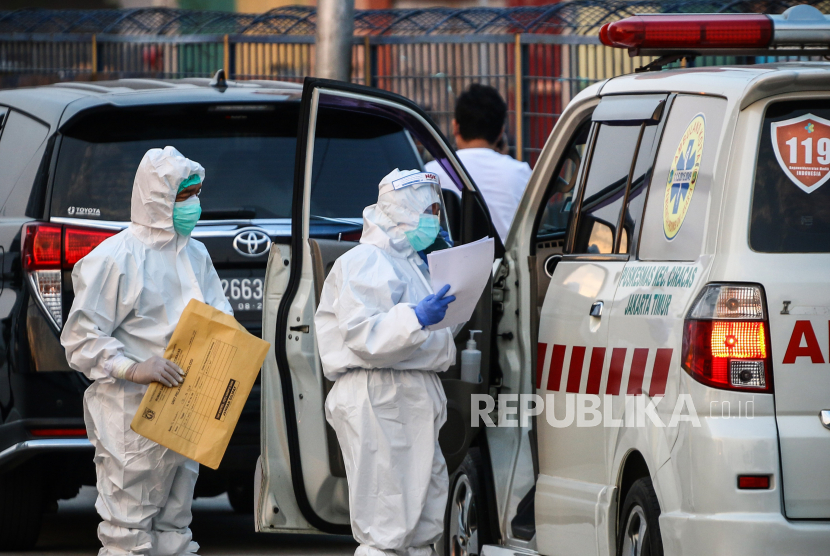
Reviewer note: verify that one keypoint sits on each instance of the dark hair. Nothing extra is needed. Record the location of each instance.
(480, 113)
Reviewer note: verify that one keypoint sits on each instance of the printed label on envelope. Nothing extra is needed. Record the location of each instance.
(802, 148)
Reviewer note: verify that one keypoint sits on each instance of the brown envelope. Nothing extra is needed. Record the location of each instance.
(221, 361)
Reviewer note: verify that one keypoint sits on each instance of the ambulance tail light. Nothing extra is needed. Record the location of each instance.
(679, 31)
(726, 341)
(50, 249)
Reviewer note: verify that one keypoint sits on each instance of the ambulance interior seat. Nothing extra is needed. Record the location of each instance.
(323, 254)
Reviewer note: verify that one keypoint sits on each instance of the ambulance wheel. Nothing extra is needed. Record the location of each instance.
(465, 522)
(639, 533)
(21, 508)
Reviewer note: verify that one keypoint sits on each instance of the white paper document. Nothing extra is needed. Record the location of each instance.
(466, 269)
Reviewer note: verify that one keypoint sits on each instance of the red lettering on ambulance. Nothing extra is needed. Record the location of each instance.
(803, 330)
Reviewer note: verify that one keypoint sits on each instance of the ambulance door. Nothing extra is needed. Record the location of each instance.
(660, 282)
(573, 497)
(788, 254)
(349, 138)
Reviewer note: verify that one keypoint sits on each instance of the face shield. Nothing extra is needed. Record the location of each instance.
(416, 200)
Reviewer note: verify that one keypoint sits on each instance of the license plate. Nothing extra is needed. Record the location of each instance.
(244, 289)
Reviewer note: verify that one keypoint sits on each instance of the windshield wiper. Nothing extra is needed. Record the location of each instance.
(335, 220)
(241, 213)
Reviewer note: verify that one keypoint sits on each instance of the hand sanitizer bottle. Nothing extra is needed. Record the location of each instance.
(471, 361)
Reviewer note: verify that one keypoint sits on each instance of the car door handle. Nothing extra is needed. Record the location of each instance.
(825, 418)
(596, 309)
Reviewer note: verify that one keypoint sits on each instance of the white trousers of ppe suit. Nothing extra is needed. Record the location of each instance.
(140, 516)
(387, 424)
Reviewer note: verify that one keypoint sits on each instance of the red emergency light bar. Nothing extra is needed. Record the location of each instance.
(684, 32)
(799, 30)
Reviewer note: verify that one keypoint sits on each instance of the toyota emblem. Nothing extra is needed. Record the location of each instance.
(251, 242)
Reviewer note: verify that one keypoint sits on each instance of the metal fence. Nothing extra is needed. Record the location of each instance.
(538, 58)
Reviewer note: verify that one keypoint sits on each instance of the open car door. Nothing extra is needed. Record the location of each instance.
(349, 137)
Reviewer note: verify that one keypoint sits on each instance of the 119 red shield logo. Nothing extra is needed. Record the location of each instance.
(802, 147)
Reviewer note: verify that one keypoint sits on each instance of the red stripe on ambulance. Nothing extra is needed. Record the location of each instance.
(595, 370)
(616, 369)
(575, 371)
(541, 350)
(660, 372)
(557, 359)
(638, 371)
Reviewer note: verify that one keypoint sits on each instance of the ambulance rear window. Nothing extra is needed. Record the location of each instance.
(791, 199)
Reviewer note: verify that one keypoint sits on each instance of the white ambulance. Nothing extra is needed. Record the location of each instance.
(664, 292)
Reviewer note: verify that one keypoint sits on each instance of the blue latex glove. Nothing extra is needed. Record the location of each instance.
(432, 308)
(423, 257)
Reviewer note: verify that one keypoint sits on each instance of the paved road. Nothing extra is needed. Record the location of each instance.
(220, 531)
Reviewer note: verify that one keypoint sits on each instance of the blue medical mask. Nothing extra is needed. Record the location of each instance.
(186, 214)
(424, 235)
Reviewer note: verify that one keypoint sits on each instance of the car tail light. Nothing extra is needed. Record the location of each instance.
(78, 242)
(679, 31)
(42, 247)
(726, 341)
(50, 249)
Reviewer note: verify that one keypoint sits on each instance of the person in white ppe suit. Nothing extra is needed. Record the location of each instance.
(130, 292)
(387, 403)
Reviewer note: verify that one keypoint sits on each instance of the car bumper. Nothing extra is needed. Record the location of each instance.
(19, 453)
(752, 533)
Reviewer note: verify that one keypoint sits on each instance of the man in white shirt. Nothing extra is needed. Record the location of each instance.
(480, 113)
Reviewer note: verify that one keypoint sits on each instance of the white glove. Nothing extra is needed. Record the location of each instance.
(155, 369)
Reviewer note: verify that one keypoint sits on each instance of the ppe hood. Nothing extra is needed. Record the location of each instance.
(398, 210)
(156, 184)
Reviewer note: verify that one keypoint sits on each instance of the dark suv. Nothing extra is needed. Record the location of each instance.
(68, 156)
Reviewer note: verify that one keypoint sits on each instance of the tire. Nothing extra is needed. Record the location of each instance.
(465, 521)
(21, 508)
(241, 493)
(639, 533)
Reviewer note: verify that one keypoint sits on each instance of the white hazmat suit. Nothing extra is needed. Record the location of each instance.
(129, 294)
(387, 404)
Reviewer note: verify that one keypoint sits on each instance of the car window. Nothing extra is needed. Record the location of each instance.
(553, 222)
(674, 223)
(248, 153)
(21, 150)
(604, 192)
(790, 200)
(352, 153)
(640, 180)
